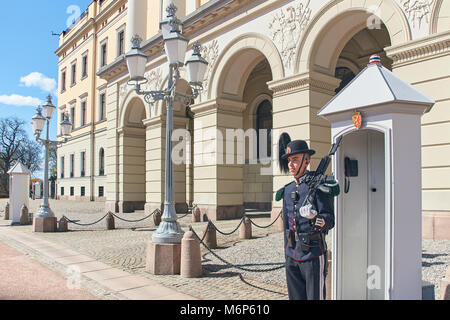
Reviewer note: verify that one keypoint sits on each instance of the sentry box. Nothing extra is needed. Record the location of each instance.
(19, 190)
(377, 239)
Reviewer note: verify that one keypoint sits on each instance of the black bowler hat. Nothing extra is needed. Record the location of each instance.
(296, 147)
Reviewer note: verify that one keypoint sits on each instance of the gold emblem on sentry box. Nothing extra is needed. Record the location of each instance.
(357, 119)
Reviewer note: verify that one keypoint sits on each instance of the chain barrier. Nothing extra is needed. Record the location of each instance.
(265, 227)
(85, 224)
(156, 210)
(243, 218)
(282, 265)
(90, 224)
(190, 210)
(228, 233)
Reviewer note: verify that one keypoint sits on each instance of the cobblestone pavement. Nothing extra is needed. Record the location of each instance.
(125, 248)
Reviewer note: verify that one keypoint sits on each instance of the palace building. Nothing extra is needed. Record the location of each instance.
(273, 64)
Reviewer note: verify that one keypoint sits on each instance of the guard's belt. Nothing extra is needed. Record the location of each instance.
(315, 236)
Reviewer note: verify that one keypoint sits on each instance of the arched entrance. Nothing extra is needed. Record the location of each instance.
(132, 155)
(231, 172)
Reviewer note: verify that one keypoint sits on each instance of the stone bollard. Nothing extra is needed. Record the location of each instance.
(211, 236)
(245, 230)
(157, 217)
(63, 225)
(196, 215)
(191, 261)
(7, 211)
(24, 216)
(110, 225)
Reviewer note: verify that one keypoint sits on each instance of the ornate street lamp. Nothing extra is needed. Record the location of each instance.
(42, 117)
(175, 45)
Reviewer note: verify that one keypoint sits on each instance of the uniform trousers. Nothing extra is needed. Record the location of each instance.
(306, 279)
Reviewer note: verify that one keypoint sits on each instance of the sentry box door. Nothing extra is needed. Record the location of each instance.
(361, 216)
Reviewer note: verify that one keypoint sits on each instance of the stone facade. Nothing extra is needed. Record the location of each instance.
(292, 54)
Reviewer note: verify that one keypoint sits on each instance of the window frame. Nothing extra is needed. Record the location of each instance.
(73, 74)
(103, 54)
(63, 80)
(121, 44)
(84, 65)
(102, 105)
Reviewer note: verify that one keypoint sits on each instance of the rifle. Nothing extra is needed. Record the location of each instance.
(320, 181)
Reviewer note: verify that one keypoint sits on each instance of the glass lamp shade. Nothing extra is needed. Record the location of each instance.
(136, 61)
(38, 122)
(196, 68)
(48, 108)
(175, 46)
(165, 28)
(66, 127)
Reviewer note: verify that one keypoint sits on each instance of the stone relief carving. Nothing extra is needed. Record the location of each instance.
(210, 53)
(418, 10)
(286, 28)
(154, 78)
(123, 90)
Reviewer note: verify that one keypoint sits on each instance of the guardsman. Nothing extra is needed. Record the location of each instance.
(305, 226)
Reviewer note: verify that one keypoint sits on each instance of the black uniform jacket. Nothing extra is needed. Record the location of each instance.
(324, 204)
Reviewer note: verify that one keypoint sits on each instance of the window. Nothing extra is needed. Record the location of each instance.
(83, 163)
(72, 191)
(102, 162)
(103, 55)
(264, 122)
(120, 43)
(74, 74)
(62, 191)
(83, 191)
(72, 116)
(102, 106)
(63, 81)
(62, 167)
(83, 113)
(101, 191)
(72, 163)
(84, 67)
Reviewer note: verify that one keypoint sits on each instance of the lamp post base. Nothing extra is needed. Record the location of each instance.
(163, 259)
(44, 224)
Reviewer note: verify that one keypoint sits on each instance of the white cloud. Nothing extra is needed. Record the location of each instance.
(17, 100)
(37, 79)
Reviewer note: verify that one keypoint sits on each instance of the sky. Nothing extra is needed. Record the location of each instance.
(28, 64)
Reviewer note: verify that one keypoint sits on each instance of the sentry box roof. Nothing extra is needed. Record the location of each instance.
(375, 86)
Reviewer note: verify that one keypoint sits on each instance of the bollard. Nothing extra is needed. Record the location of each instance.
(196, 215)
(24, 216)
(191, 261)
(63, 225)
(211, 236)
(110, 225)
(245, 230)
(157, 218)
(7, 211)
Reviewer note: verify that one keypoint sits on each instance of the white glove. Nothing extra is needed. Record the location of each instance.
(308, 212)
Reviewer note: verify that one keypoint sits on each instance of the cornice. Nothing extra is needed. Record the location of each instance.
(192, 23)
(423, 49)
(112, 7)
(89, 23)
(302, 82)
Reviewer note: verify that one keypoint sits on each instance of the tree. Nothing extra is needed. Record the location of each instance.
(15, 145)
